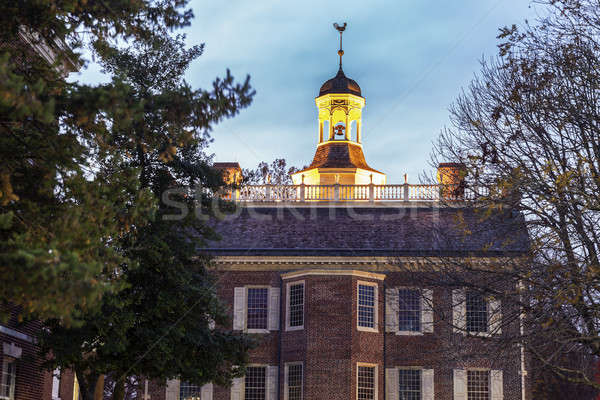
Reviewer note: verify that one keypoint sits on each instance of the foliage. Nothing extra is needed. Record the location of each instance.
(160, 325)
(276, 173)
(527, 130)
(64, 201)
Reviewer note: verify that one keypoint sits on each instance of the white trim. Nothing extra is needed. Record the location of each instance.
(362, 274)
(273, 308)
(496, 385)
(391, 384)
(375, 377)
(256, 330)
(287, 305)
(56, 384)
(5, 377)
(286, 379)
(11, 332)
(375, 306)
(409, 333)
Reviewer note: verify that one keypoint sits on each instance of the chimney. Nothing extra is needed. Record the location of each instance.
(231, 171)
(452, 178)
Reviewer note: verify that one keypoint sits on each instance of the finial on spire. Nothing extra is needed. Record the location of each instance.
(341, 30)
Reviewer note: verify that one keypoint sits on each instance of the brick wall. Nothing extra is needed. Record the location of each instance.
(330, 345)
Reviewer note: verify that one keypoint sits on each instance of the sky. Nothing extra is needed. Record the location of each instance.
(411, 59)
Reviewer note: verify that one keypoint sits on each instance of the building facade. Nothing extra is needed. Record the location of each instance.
(317, 271)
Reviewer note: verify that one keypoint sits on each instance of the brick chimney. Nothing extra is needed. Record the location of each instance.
(452, 177)
(232, 172)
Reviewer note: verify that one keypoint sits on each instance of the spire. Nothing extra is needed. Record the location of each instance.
(341, 30)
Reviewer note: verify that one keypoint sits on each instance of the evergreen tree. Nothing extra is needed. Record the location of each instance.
(167, 321)
(64, 201)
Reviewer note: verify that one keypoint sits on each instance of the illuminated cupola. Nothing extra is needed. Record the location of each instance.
(339, 157)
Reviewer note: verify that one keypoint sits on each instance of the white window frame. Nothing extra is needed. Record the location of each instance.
(459, 314)
(287, 305)
(5, 377)
(412, 368)
(487, 370)
(286, 379)
(255, 330)
(266, 367)
(410, 333)
(375, 306)
(375, 378)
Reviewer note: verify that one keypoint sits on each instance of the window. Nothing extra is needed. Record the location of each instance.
(189, 391)
(296, 305)
(294, 382)
(478, 385)
(367, 310)
(366, 381)
(9, 374)
(477, 312)
(409, 383)
(409, 306)
(257, 308)
(255, 384)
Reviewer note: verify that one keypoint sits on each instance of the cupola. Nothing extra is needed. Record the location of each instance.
(339, 157)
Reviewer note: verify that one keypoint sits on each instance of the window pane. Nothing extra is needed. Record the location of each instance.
(366, 383)
(189, 391)
(477, 316)
(297, 305)
(295, 382)
(410, 384)
(255, 383)
(7, 381)
(366, 306)
(257, 308)
(409, 316)
(478, 385)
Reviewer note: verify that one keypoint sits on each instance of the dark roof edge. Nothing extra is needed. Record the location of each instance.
(364, 252)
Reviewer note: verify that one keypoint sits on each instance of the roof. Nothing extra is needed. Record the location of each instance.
(298, 231)
(227, 165)
(341, 154)
(340, 84)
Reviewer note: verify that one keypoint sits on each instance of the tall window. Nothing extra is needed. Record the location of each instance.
(409, 384)
(7, 384)
(255, 385)
(366, 306)
(478, 385)
(477, 312)
(257, 308)
(409, 315)
(294, 383)
(189, 391)
(296, 305)
(366, 383)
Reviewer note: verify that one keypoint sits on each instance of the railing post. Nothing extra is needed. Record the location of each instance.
(302, 191)
(234, 194)
(268, 192)
(405, 191)
(336, 192)
(371, 192)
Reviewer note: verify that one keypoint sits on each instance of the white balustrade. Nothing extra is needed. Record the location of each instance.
(338, 192)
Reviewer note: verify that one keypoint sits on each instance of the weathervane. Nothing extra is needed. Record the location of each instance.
(341, 30)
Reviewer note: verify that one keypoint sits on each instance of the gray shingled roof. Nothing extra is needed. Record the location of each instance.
(368, 231)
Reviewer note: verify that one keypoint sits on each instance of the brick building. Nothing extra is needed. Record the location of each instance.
(316, 270)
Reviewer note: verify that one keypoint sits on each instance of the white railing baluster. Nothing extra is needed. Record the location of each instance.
(367, 193)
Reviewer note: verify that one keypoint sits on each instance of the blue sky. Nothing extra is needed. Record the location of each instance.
(410, 57)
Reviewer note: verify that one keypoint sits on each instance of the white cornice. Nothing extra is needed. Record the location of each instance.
(330, 272)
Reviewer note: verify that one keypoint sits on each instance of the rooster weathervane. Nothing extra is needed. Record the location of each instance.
(340, 29)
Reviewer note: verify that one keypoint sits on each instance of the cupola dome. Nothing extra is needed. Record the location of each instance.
(340, 84)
